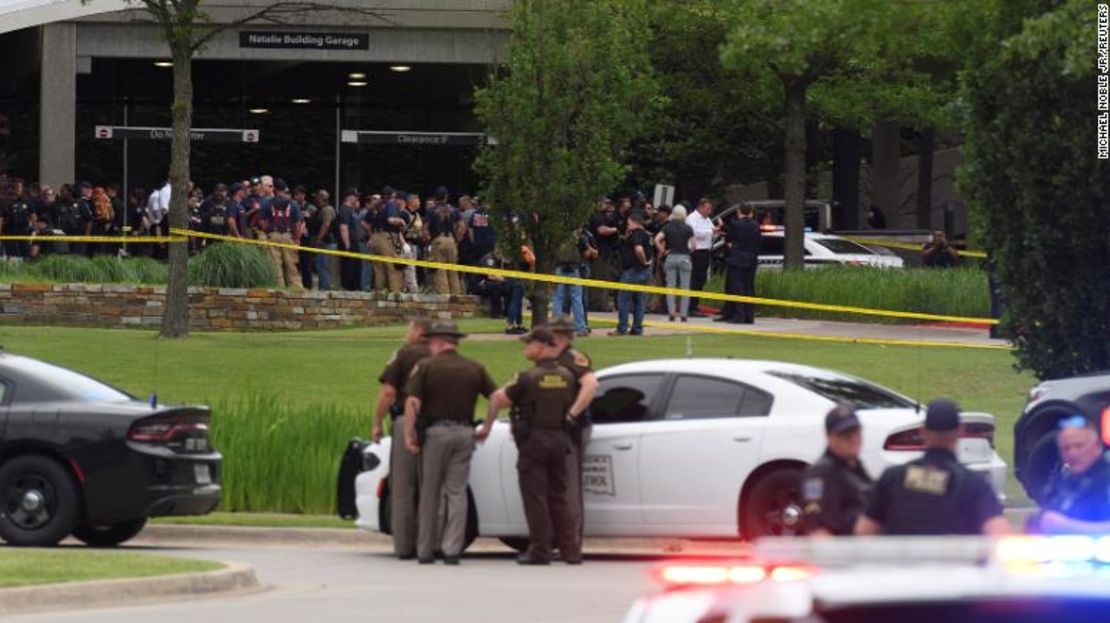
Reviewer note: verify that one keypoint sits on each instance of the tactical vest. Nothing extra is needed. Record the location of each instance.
(17, 219)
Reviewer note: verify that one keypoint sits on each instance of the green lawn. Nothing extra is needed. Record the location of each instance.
(26, 567)
(260, 520)
(318, 387)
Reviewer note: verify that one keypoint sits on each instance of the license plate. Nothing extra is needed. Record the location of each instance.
(204, 476)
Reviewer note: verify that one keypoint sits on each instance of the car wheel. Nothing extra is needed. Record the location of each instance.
(519, 543)
(773, 506)
(1042, 464)
(109, 535)
(39, 503)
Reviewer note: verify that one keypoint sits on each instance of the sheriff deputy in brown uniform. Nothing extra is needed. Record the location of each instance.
(578, 363)
(540, 398)
(442, 392)
(403, 464)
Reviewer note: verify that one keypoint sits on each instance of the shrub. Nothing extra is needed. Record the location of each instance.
(147, 270)
(66, 269)
(1042, 196)
(231, 266)
(950, 292)
(280, 457)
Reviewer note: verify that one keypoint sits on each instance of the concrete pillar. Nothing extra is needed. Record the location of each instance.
(886, 178)
(58, 104)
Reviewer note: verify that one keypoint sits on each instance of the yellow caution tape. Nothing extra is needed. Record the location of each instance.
(100, 239)
(894, 244)
(594, 283)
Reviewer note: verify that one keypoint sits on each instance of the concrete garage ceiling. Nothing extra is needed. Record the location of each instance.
(19, 14)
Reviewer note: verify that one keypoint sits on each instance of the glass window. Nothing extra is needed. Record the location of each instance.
(626, 398)
(70, 385)
(844, 390)
(697, 397)
(836, 245)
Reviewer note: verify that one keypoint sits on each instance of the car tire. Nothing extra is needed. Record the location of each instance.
(109, 535)
(518, 543)
(1043, 463)
(39, 501)
(773, 506)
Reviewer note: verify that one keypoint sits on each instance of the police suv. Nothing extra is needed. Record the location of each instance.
(697, 448)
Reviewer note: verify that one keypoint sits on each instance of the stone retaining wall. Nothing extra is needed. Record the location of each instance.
(219, 309)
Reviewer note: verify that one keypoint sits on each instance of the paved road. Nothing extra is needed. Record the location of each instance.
(315, 585)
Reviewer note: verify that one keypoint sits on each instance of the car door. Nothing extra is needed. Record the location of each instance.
(695, 458)
(610, 474)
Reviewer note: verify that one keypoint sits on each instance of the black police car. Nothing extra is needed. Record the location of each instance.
(1035, 455)
(80, 457)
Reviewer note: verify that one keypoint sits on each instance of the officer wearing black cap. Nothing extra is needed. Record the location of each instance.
(540, 399)
(935, 494)
(442, 392)
(834, 488)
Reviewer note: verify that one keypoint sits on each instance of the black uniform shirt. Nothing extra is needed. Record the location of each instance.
(400, 366)
(834, 494)
(933, 495)
(544, 393)
(1085, 496)
(638, 238)
(17, 217)
(743, 236)
(575, 361)
(448, 385)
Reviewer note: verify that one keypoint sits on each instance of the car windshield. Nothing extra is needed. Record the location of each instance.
(72, 384)
(843, 390)
(846, 247)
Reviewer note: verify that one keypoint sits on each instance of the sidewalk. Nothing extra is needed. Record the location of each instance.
(657, 324)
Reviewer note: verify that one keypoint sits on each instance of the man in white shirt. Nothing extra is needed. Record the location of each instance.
(704, 229)
(157, 206)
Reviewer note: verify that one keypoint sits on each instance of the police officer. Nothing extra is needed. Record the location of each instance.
(403, 479)
(15, 220)
(834, 488)
(280, 221)
(579, 364)
(1077, 498)
(743, 258)
(386, 224)
(541, 398)
(442, 392)
(443, 225)
(935, 494)
(73, 216)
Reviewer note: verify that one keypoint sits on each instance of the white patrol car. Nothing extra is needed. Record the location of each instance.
(890, 580)
(697, 448)
(821, 250)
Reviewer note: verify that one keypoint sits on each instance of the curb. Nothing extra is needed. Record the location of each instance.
(235, 577)
(243, 535)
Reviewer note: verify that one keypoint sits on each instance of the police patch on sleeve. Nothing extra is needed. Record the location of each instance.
(813, 489)
(581, 360)
(415, 369)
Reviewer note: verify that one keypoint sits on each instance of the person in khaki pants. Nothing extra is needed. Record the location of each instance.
(442, 392)
(281, 221)
(403, 464)
(444, 224)
(386, 224)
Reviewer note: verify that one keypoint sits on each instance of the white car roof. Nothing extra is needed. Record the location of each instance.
(720, 366)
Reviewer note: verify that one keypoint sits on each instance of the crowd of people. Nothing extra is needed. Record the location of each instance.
(628, 240)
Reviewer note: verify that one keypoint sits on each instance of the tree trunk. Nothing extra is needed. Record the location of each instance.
(542, 292)
(795, 173)
(175, 321)
(847, 152)
(886, 172)
(926, 144)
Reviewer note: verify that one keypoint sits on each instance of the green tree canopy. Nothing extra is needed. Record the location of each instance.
(576, 89)
(1040, 194)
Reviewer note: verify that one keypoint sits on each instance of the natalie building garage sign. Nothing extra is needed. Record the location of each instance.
(304, 40)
